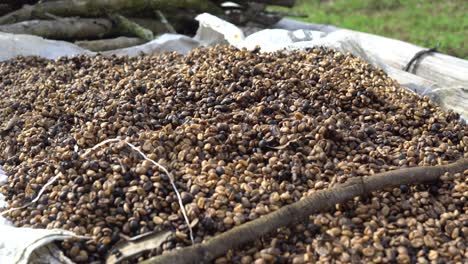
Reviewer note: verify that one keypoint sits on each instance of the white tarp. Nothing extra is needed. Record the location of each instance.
(443, 78)
(17, 244)
(12, 45)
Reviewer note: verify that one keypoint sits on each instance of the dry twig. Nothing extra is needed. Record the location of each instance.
(293, 213)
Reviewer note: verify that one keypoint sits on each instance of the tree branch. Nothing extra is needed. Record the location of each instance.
(64, 28)
(317, 202)
(131, 27)
(96, 8)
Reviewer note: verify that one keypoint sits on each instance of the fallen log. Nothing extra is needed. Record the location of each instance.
(99, 8)
(301, 210)
(109, 44)
(65, 28)
(87, 28)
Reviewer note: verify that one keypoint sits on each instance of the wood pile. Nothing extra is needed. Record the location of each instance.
(123, 23)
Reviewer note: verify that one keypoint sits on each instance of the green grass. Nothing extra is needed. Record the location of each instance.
(422, 22)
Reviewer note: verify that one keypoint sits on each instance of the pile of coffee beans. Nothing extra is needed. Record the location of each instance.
(242, 133)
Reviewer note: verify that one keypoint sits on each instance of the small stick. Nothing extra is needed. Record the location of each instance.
(298, 211)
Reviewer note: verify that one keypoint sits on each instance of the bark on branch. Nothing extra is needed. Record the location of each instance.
(65, 28)
(86, 28)
(317, 202)
(97, 8)
(155, 25)
(131, 27)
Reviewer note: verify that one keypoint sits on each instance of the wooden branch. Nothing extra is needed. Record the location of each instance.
(66, 28)
(87, 28)
(164, 21)
(128, 26)
(110, 44)
(301, 210)
(97, 8)
(155, 25)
